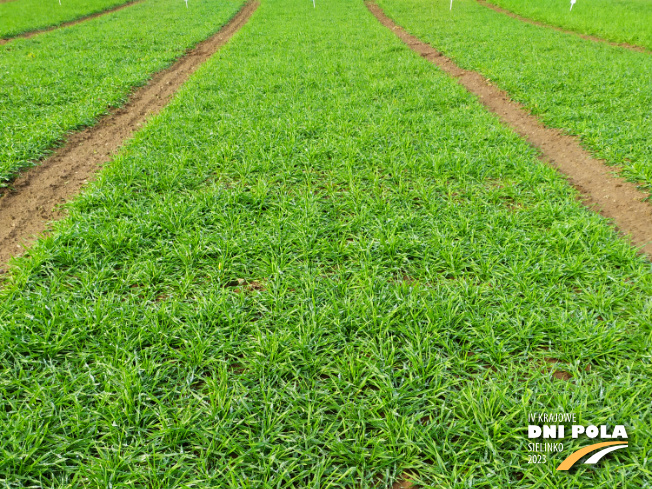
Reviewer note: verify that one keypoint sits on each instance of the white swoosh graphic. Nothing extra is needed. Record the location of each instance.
(596, 457)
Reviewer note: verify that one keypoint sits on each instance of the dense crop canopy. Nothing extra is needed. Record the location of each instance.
(322, 265)
(599, 92)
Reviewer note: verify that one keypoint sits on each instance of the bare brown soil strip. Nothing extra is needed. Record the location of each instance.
(588, 37)
(27, 35)
(26, 209)
(613, 197)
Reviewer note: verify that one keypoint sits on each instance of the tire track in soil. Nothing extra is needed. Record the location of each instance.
(29, 205)
(588, 37)
(27, 35)
(611, 196)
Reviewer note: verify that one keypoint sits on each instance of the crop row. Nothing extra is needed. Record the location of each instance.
(29, 15)
(322, 265)
(599, 92)
(625, 21)
(63, 80)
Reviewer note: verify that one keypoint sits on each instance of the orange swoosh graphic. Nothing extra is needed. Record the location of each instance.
(575, 456)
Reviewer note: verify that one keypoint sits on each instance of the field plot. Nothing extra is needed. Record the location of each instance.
(599, 92)
(622, 21)
(29, 15)
(63, 80)
(323, 265)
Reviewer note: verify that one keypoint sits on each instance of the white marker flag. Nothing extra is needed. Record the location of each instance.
(572, 3)
(451, 5)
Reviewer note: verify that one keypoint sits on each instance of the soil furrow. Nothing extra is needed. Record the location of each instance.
(610, 195)
(588, 37)
(27, 35)
(29, 205)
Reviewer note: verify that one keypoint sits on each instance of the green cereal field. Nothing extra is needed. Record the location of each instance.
(324, 264)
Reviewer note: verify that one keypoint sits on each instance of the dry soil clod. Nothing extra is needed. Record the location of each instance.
(404, 483)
